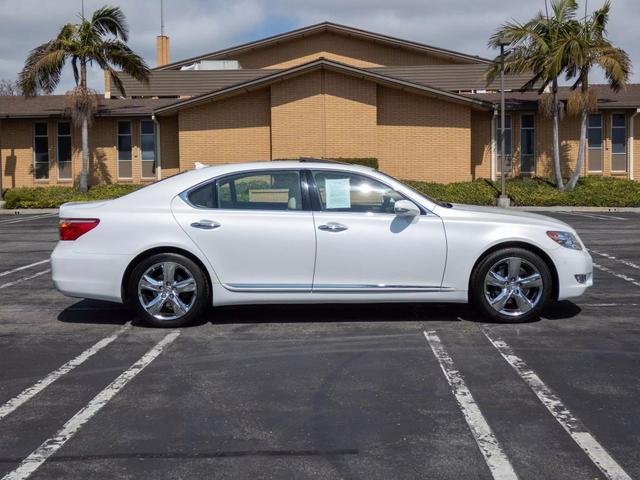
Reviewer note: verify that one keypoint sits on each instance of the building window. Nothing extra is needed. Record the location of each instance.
(124, 150)
(618, 142)
(41, 151)
(507, 142)
(148, 148)
(527, 144)
(64, 151)
(594, 162)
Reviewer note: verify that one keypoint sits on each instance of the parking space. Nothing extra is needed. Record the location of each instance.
(334, 391)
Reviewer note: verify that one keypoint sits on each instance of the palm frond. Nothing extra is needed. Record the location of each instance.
(110, 21)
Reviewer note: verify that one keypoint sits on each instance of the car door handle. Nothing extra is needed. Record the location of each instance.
(333, 227)
(206, 224)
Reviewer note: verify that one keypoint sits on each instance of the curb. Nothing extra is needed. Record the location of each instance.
(580, 209)
(21, 211)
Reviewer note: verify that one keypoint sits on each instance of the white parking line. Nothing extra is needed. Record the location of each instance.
(75, 423)
(23, 279)
(28, 219)
(594, 215)
(619, 260)
(494, 456)
(24, 267)
(574, 427)
(40, 385)
(615, 274)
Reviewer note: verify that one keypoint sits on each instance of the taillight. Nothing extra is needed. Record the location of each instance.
(74, 228)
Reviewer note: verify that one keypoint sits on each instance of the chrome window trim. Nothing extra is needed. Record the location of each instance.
(185, 194)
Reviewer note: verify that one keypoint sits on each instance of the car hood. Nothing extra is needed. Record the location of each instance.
(501, 215)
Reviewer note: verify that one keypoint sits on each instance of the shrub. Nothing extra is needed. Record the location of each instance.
(53, 197)
(478, 192)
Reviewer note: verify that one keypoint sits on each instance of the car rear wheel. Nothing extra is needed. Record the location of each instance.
(168, 290)
(511, 285)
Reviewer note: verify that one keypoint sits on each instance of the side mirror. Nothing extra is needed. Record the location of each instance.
(405, 208)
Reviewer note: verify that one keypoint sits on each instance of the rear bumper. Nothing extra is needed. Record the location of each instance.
(86, 275)
(570, 263)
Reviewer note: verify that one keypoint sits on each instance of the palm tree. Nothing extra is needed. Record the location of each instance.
(586, 47)
(102, 40)
(531, 50)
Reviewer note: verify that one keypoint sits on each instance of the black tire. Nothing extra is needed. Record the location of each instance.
(184, 267)
(478, 291)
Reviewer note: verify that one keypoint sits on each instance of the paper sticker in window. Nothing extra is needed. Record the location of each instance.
(338, 193)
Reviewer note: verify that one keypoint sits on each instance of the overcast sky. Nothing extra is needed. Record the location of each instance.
(200, 26)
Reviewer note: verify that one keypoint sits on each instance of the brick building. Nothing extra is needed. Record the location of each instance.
(325, 91)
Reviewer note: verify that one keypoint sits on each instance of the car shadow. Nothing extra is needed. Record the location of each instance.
(97, 312)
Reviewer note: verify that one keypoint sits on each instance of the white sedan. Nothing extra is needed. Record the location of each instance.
(309, 232)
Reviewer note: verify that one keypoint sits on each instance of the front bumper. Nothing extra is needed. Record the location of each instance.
(86, 275)
(569, 264)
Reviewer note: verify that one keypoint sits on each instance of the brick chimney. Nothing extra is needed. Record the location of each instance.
(162, 50)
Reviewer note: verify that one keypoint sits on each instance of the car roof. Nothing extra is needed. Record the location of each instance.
(171, 186)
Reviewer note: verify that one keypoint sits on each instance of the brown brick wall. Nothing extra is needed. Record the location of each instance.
(480, 144)
(229, 131)
(351, 116)
(423, 138)
(333, 46)
(323, 114)
(298, 117)
(169, 146)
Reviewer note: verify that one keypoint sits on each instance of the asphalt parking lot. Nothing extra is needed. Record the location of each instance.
(371, 392)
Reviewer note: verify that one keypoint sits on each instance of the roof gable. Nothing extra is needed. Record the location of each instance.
(329, 65)
(333, 28)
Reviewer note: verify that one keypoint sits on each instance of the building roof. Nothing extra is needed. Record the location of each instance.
(44, 106)
(461, 77)
(323, 63)
(607, 98)
(324, 27)
(187, 83)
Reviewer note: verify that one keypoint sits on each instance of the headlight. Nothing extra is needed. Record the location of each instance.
(566, 239)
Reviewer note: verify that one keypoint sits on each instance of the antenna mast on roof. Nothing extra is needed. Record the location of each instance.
(162, 17)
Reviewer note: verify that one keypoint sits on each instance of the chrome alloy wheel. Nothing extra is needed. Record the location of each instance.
(167, 290)
(513, 286)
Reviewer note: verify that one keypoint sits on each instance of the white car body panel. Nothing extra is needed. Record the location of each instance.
(248, 248)
(285, 251)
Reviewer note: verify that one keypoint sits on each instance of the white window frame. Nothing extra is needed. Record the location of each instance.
(35, 135)
(58, 149)
(626, 147)
(601, 147)
(528, 172)
(155, 154)
(118, 135)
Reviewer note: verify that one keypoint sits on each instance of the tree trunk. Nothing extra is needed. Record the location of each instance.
(85, 132)
(85, 155)
(582, 146)
(556, 137)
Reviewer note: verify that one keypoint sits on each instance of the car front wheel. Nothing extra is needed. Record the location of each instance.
(168, 290)
(511, 285)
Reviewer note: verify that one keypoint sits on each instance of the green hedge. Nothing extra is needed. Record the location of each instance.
(53, 197)
(589, 192)
(478, 192)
